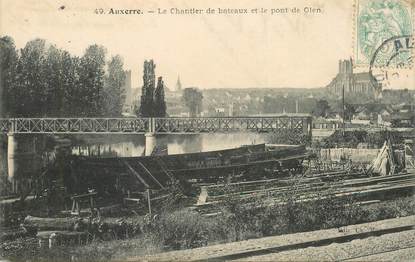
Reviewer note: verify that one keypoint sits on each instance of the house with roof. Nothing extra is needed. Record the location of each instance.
(403, 119)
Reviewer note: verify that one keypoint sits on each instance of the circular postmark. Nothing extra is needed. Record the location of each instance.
(378, 21)
(392, 62)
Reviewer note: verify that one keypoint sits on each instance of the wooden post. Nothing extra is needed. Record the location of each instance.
(150, 143)
(91, 203)
(78, 208)
(149, 201)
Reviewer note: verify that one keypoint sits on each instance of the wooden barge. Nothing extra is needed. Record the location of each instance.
(157, 172)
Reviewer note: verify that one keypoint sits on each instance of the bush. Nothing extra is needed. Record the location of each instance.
(262, 216)
(179, 229)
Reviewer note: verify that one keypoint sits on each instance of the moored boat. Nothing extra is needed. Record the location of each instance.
(156, 172)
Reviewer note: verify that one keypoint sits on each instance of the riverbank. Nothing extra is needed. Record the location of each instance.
(183, 229)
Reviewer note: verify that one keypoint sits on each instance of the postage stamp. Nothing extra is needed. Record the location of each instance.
(377, 21)
(392, 61)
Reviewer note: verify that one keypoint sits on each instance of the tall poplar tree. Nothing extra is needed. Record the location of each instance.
(147, 93)
(192, 98)
(71, 85)
(114, 82)
(159, 102)
(53, 81)
(92, 71)
(30, 83)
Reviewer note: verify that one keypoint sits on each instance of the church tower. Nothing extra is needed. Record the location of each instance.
(178, 85)
(358, 84)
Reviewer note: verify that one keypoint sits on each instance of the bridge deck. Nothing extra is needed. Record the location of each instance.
(295, 128)
(157, 125)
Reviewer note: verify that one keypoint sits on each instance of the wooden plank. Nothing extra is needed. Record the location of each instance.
(339, 187)
(76, 197)
(132, 199)
(135, 173)
(142, 165)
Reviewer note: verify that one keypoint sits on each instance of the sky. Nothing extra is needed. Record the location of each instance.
(207, 51)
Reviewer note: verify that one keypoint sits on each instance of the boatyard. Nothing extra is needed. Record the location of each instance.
(265, 136)
(109, 199)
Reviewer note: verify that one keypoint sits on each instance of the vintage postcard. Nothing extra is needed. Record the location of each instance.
(184, 130)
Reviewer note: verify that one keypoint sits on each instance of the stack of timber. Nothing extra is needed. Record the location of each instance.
(275, 191)
(47, 223)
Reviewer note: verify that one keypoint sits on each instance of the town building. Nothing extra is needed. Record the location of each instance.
(327, 123)
(353, 83)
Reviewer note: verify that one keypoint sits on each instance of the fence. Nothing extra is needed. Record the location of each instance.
(357, 155)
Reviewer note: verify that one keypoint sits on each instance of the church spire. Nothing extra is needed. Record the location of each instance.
(178, 85)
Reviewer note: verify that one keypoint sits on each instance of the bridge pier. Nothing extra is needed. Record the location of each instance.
(11, 160)
(308, 127)
(151, 143)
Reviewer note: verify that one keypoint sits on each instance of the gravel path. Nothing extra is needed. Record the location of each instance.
(406, 254)
(335, 251)
(360, 249)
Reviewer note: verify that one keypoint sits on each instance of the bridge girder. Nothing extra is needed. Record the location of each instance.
(297, 127)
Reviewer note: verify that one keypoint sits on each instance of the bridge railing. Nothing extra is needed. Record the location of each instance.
(74, 125)
(285, 129)
(299, 124)
(177, 125)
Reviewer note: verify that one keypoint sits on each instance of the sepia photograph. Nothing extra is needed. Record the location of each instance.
(207, 130)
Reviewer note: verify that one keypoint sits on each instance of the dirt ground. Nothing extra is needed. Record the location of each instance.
(352, 249)
(359, 249)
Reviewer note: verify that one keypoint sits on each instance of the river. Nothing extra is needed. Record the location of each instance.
(36, 152)
(134, 145)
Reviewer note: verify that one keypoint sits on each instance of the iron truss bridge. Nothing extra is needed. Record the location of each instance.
(294, 126)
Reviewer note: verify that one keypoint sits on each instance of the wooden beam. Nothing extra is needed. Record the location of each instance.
(141, 164)
(135, 173)
(149, 201)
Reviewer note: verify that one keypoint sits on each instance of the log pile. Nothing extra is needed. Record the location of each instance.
(71, 230)
(42, 224)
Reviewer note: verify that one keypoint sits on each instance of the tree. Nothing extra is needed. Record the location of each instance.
(71, 85)
(147, 93)
(322, 108)
(54, 74)
(114, 82)
(159, 102)
(192, 98)
(349, 111)
(8, 64)
(92, 71)
(30, 84)
(42, 81)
